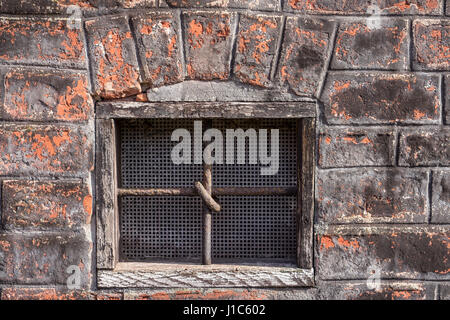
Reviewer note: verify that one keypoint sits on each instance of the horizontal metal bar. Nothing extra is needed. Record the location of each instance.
(276, 191)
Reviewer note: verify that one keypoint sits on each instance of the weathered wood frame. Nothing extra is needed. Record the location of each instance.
(112, 273)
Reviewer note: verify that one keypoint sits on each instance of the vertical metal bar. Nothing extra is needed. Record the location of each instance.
(207, 217)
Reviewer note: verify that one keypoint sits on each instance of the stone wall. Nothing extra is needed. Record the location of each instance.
(380, 72)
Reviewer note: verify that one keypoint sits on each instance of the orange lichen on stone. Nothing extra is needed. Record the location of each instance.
(142, 97)
(160, 296)
(349, 244)
(146, 29)
(67, 108)
(87, 204)
(339, 85)
(326, 242)
(74, 48)
(419, 115)
(195, 28)
(116, 77)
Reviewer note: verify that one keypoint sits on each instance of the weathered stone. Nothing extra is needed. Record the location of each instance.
(220, 294)
(359, 45)
(441, 197)
(41, 41)
(217, 91)
(45, 95)
(195, 3)
(447, 99)
(256, 48)
(23, 293)
(363, 6)
(264, 5)
(71, 6)
(372, 196)
(45, 205)
(303, 55)
(387, 252)
(431, 44)
(113, 54)
(129, 4)
(366, 98)
(105, 295)
(159, 51)
(44, 259)
(371, 290)
(425, 147)
(208, 44)
(356, 147)
(45, 150)
(444, 291)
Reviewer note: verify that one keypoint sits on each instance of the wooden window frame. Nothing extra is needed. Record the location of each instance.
(114, 274)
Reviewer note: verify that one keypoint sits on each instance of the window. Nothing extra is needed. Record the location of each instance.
(157, 224)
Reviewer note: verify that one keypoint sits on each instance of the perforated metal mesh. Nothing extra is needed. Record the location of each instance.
(161, 228)
(145, 149)
(249, 175)
(145, 155)
(255, 228)
(169, 228)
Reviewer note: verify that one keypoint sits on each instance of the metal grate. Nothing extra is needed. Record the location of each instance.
(160, 228)
(145, 148)
(248, 175)
(248, 229)
(254, 228)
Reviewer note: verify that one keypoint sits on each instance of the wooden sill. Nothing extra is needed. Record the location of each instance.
(167, 275)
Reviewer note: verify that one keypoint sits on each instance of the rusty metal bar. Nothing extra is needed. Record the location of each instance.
(288, 191)
(206, 197)
(207, 216)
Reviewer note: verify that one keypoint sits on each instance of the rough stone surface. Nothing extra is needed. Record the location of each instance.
(356, 147)
(41, 41)
(66, 6)
(45, 150)
(370, 290)
(444, 292)
(378, 68)
(303, 56)
(216, 91)
(363, 6)
(447, 99)
(372, 196)
(441, 197)
(208, 38)
(393, 253)
(45, 95)
(367, 98)
(159, 49)
(256, 49)
(359, 45)
(204, 294)
(431, 44)
(265, 5)
(44, 259)
(23, 293)
(45, 205)
(114, 60)
(425, 147)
